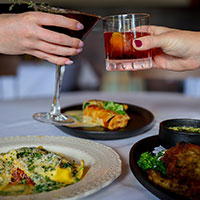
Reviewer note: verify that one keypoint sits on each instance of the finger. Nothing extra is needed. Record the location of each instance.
(157, 30)
(148, 42)
(58, 38)
(56, 49)
(58, 20)
(51, 58)
(152, 30)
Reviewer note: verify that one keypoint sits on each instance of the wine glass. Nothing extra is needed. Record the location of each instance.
(89, 21)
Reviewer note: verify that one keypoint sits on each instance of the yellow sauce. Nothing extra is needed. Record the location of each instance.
(77, 115)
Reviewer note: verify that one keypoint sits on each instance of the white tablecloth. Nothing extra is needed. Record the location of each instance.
(16, 119)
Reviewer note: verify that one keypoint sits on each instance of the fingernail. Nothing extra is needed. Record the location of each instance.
(68, 62)
(79, 50)
(138, 43)
(80, 26)
(81, 44)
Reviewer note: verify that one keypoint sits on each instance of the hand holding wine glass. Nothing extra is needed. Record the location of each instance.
(174, 49)
(55, 35)
(55, 116)
(24, 34)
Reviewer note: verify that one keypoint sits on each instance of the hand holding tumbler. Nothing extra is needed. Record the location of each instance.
(119, 33)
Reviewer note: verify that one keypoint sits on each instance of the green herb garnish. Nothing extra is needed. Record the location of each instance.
(37, 7)
(66, 165)
(149, 161)
(47, 186)
(85, 105)
(118, 108)
(24, 181)
(185, 129)
(47, 168)
(29, 3)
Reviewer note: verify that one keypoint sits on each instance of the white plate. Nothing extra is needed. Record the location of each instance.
(103, 164)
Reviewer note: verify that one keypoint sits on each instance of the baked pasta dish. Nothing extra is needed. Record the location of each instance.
(30, 170)
(105, 113)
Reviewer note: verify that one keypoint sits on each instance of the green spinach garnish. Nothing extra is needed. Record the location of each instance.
(149, 161)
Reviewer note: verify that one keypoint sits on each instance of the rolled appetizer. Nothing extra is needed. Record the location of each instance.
(105, 113)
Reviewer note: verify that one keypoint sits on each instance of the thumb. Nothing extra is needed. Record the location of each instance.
(148, 42)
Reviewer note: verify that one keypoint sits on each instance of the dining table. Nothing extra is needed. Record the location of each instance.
(16, 120)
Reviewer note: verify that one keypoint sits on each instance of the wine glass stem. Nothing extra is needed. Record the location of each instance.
(55, 107)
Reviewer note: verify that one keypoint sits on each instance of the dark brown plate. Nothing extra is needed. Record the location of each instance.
(141, 121)
(148, 144)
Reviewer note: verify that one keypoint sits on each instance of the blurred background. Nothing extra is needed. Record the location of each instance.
(26, 76)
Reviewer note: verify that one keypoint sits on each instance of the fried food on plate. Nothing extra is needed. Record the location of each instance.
(105, 113)
(183, 161)
(182, 171)
(167, 183)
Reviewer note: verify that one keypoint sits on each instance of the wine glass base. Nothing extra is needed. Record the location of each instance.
(49, 118)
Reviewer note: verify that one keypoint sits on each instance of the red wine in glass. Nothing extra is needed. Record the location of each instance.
(89, 21)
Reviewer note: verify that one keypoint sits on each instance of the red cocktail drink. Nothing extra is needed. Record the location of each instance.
(119, 46)
(119, 34)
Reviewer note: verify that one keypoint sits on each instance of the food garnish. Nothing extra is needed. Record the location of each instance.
(37, 7)
(149, 161)
(108, 105)
(118, 108)
(117, 40)
(185, 129)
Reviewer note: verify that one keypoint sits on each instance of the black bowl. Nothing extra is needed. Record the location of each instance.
(169, 137)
